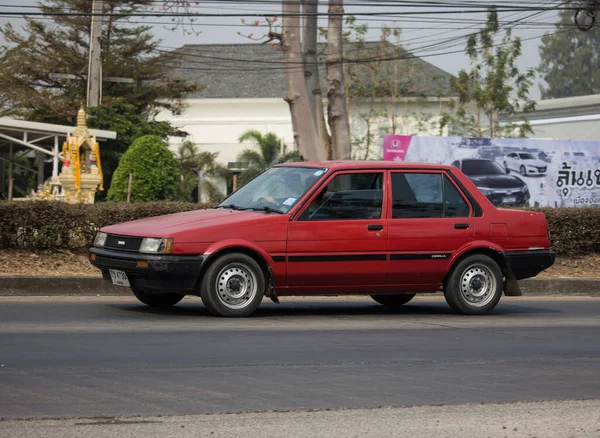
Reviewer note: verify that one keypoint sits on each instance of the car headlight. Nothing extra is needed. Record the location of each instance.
(100, 240)
(525, 189)
(486, 191)
(151, 245)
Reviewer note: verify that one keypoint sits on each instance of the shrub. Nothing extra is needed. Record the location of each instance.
(155, 170)
(573, 230)
(43, 225)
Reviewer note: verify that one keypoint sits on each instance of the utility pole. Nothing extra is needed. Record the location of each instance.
(94, 86)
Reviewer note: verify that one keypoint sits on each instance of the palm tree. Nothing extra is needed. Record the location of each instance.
(192, 162)
(271, 151)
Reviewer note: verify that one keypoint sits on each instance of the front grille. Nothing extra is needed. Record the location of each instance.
(123, 243)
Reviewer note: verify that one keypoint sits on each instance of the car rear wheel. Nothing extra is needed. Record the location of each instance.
(156, 300)
(393, 300)
(522, 171)
(233, 285)
(474, 286)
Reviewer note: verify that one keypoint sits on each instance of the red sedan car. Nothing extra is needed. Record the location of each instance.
(385, 229)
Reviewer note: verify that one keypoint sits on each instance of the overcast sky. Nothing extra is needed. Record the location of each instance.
(417, 32)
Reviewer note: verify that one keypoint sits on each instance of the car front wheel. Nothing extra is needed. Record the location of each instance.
(156, 300)
(475, 285)
(393, 300)
(233, 285)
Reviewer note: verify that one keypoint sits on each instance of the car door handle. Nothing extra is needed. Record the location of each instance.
(377, 227)
(461, 226)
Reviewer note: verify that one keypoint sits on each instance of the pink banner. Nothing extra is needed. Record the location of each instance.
(395, 147)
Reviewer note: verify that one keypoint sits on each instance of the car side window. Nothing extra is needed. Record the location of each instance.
(426, 195)
(352, 196)
(455, 204)
(417, 195)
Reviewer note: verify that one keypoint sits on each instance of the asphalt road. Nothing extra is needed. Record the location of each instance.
(99, 357)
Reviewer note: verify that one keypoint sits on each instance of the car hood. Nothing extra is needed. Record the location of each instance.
(536, 163)
(497, 181)
(166, 226)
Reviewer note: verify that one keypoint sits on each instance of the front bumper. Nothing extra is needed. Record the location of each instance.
(521, 198)
(163, 274)
(527, 264)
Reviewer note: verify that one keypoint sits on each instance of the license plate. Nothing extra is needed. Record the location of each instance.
(119, 278)
(509, 199)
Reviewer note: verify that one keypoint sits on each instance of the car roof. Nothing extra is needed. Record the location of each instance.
(350, 164)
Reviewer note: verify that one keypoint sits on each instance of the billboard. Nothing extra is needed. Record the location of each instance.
(509, 171)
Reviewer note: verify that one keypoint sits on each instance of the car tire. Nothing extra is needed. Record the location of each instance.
(523, 171)
(393, 300)
(475, 285)
(506, 167)
(233, 286)
(162, 301)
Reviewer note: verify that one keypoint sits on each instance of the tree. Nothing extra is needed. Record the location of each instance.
(154, 168)
(491, 93)
(44, 67)
(44, 72)
(271, 151)
(311, 73)
(378, 74)
(337, 111)
(302, 76)
(130, 123)
(192, 162)
(570, 63)
(303, 120)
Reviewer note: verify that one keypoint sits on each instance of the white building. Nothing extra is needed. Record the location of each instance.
(244, 89)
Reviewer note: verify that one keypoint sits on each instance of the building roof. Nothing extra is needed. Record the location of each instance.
(567, 107)
(257, 71)
(14, 125)
(42, 137)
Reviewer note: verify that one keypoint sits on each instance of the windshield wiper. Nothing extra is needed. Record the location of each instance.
(267, 209)
(232, 207)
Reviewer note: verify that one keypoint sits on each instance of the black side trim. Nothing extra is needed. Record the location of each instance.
(338, 258)
(278, 259)
(430, 256)
(477, 211)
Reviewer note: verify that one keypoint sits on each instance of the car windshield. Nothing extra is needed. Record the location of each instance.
(481, 167)
(276, 190)
(526, 157)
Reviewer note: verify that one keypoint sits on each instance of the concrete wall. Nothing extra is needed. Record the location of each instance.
(568, 129)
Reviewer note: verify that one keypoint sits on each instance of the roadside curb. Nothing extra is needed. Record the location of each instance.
(96, 286)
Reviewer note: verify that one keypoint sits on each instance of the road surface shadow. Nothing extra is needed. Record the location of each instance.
(323, 308)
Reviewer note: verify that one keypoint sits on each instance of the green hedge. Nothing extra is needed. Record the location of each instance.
(573, 231)
(43, 225)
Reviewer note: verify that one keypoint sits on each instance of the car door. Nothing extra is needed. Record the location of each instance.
(510, 161)
(429, 220)
(338, 240)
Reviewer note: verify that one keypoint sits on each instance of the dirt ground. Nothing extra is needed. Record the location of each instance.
(68, 264)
